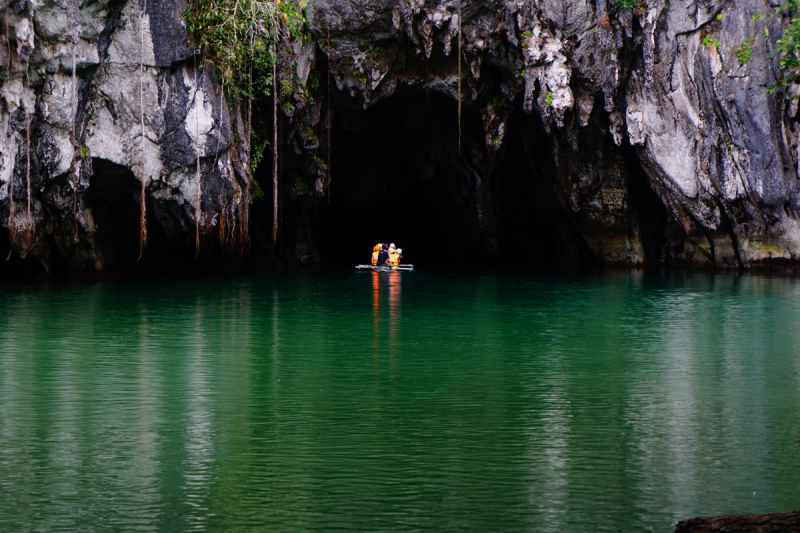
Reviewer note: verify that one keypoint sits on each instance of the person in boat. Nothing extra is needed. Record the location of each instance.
(383, 257)
(394, 256)
(375, 252)
(399, 257)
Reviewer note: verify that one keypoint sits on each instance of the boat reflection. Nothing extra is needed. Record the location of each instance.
(392, 282)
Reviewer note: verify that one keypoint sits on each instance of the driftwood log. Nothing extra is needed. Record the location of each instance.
(750, 523)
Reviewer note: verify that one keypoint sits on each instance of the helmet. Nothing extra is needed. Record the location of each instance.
(391, 245)
(391, 250)
(399, 250)
(377, 248)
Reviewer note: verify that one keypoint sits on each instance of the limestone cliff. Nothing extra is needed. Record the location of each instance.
(601, 134)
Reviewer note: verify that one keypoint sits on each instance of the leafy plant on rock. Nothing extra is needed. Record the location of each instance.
(789, 45)
(627, 4)
(744, 51)
(238, 37)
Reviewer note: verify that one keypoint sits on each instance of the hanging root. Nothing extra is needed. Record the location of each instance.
(11, 217)
(143, 206)
(275, 85)
(75, 169)
(329, 106)
(459, 77)
(28, 232)
(197, 213)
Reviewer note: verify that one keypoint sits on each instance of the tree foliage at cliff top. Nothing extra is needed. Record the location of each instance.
(236, 36)
(789, 45)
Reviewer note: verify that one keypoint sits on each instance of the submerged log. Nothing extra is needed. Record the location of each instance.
(751, 523)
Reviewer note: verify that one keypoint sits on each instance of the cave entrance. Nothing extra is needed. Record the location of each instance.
(397, 175)
(113, 197)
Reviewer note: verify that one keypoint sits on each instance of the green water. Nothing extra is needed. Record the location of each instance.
(398, 402)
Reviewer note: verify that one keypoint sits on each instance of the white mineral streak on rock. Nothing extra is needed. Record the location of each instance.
(126, 47)
(25, 45)
(200, 119)
(635, 123)
(8, 152)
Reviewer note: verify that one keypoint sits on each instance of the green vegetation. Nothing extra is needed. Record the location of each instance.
(628, 4)
(498, 102)
(789, 45)
(85, 152)
(756, 16)
(744, 51)
(548, 101)
(239, 36)
(709, 41)
(720, 16)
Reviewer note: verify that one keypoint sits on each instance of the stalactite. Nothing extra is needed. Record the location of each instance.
(459, 77)
(275, 92)
(142, 207)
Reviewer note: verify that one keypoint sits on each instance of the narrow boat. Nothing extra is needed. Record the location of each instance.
(400, 268)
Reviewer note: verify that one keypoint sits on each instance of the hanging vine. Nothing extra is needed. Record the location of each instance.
(459, 77)
(330, 117)
(197, 213)
(29, 225)
(143, 206)
(11, 231)
(241, 38)
(274, 154)
(75, 168)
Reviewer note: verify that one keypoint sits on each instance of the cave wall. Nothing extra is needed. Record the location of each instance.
(589, 134)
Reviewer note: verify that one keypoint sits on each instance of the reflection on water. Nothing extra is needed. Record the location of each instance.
(398, 402)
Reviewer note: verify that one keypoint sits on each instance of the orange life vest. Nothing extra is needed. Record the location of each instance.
(375, 258)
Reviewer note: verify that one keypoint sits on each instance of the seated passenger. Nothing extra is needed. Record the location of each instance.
(375, 251)
(394, 257)
(383, 257)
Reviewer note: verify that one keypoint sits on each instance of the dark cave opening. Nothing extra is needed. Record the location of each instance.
(392, 181)
(114, 200)
(113, 196)
(397, 175)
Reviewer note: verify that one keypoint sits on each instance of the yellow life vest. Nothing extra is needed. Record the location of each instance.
(394, 259)
(375, 258)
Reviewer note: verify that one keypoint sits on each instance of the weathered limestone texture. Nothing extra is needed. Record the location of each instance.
(102, 130)
(647, 140)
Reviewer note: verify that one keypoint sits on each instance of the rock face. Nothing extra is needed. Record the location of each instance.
(763, 523)
(597, 134)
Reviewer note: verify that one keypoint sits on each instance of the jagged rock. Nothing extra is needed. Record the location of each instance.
(762, 523)
(613, 92)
